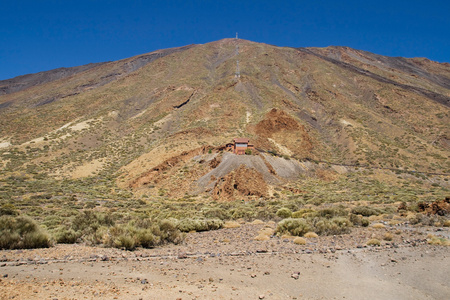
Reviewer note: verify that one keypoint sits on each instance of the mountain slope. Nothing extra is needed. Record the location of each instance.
(119, 120)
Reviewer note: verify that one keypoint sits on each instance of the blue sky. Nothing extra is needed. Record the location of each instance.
(41, 35)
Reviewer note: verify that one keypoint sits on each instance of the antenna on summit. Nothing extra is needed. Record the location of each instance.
(237, 35)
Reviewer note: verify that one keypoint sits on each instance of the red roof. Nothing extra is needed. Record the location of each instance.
(241, 140)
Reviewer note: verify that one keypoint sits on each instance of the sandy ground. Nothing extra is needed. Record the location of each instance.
(229, 264)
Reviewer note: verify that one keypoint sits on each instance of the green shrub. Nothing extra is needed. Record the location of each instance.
(264, 214)
(169, 232)
(359, 220)
(297, 227)
(423, 219)
(22, 233)
(125, 241)
(187, 225)
(284, 213)
(147, 239)
(51, 221)
(217, 213)
(334, 226)
(139, 233)
(304, 213)
(66, 236)
(365, 211)
(332, 212)
(84, 226)
(246, 213)
(8, 209)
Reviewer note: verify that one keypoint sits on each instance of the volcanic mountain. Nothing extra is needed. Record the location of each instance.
(157, 123)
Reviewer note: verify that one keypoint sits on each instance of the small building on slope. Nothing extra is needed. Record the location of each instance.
(240, 145)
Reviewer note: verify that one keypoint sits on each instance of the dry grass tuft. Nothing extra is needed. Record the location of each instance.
(262, 237)
(373, 242)
(231, 224)
(299, 241)
(257, 222)
(388, 236)
(437, 241)
(311, 235)
(394, 222)
(447, 223)
(375, 218)
(267, 231)
(378, 225)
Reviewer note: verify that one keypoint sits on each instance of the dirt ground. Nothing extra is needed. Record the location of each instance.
(230, 264)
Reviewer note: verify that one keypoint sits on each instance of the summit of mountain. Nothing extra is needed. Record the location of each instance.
(123, 120)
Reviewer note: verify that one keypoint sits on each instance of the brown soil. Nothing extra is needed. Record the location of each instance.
(241, 182)
(214, 162)
(156, 174)
(287, 131)
(326, 175)
(275, 121)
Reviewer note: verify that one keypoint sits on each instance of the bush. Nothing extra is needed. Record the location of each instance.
(168, 232)
(246, 213)
(147, 239)
(84, 226)
(217, 213)
(8, 209)
(334, 226)
(66, 236)
(125, 241)
(332, 212)
(22, 233)
(422, 219)
(284, 213)
(187, 225)
(304, 213)
(264, 214)
(359, 220)
(143, 233)
(365, 211)
(297, 227)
